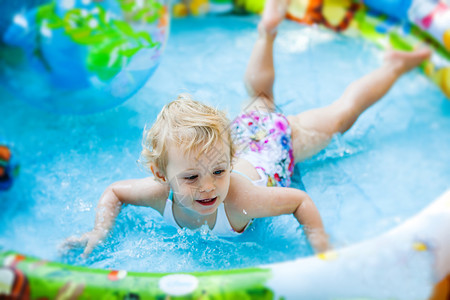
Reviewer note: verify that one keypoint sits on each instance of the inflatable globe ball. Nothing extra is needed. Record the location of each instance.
(81, 56)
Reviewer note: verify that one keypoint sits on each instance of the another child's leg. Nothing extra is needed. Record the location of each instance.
(260, 74)
(313, 129)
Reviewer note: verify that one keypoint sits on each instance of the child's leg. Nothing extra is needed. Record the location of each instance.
(260, 74)
(313, 129)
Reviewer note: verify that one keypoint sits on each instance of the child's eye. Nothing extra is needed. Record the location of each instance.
(191, 178)
(218, 172)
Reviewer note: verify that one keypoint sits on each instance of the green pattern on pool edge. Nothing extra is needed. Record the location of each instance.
(49, 280)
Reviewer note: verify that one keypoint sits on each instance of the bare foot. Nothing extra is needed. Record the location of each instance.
(274, 12)
(405, 61)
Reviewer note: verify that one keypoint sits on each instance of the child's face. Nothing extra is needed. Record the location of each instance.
(199, 183)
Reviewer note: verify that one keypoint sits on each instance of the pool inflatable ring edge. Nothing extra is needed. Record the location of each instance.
(422, 242)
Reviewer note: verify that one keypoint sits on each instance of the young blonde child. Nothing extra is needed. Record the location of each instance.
(210, 172)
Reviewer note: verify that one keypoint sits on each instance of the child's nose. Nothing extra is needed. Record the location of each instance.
(207, 185)
(207, 190)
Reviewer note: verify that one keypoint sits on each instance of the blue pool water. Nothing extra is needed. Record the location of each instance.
(389, 166)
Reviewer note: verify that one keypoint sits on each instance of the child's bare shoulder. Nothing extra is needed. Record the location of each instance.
(241, 192)
(143, 192)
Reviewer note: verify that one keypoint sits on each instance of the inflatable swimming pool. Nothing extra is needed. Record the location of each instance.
(377, 265)
(421, 244)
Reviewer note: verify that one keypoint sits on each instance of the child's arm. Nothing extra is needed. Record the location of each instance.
(262, 202)
(308, 215)
(143, 192)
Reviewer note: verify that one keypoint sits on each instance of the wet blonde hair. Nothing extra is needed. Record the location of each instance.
(186, 123)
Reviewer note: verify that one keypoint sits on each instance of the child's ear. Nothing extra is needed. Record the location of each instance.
(159, 175)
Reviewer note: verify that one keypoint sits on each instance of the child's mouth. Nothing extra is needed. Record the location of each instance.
(207, 202)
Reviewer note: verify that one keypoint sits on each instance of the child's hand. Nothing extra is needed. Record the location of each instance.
(89, 240)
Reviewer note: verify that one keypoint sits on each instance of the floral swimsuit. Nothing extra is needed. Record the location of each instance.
(264, 139)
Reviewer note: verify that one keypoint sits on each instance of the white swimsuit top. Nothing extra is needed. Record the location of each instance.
(222, 227)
